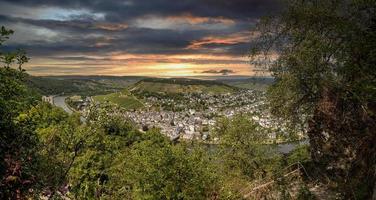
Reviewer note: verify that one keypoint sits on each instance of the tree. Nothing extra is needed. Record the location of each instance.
(322, 55)
(241, 145)
(60, 142)
(157, 169)
(119, 162)
(107, 136)
(17, 146)
(244, 157)
(38, 142)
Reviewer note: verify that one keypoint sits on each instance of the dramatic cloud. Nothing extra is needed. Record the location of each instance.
(134, 37)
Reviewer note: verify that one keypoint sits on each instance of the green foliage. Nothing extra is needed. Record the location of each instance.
(59, 142)
(119, 162)
(239, 131)
(106, 137)
(17, 145)
(159, 170)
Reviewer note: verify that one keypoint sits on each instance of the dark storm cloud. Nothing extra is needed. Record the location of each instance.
(138, 39)
(150, 40)
(79, 26)
(241, 48)
(57, 29)
(132, 40)
(119, 10)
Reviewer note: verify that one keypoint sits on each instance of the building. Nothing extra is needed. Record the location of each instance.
(48, 99)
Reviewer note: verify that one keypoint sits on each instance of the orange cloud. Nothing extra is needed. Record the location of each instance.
(194, 20)
(111, 27)
(230, 39)
(182, 21)
(122, 55)
(104, 41)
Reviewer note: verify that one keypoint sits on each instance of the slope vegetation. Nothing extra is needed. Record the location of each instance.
(155, 85)
(123, 99)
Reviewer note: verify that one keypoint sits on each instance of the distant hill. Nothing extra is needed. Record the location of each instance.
(96, 85)
(180, 85)
(83, 85)
(256, 83)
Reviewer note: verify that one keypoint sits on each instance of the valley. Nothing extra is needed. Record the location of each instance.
(187, 109)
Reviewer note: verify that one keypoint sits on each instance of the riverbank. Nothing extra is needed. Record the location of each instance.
(283, 148)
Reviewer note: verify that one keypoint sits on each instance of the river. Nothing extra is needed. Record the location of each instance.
(59, 101)
(286, 148)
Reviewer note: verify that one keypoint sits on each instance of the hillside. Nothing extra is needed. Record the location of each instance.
(154, 85)
(130, 98)
(123, 99)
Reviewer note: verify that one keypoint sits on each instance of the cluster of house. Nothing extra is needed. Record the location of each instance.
(206, 101)
(193, 122)
(188, 125)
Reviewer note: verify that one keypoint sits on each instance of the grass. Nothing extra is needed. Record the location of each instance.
(123, 99)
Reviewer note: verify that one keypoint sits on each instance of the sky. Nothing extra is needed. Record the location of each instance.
(135, 37)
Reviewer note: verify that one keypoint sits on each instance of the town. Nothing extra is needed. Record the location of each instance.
(191, 116)
(195, 114)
